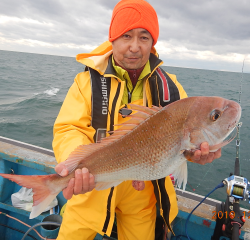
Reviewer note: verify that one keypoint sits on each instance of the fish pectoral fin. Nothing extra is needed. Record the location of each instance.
(180, 174)
(105, 185)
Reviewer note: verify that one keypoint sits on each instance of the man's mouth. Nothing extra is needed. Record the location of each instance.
(133, 59)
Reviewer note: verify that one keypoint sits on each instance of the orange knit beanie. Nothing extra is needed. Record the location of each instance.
(130, 14)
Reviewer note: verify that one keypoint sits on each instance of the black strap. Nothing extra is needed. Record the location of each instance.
(159, 189)
(163, 89)
(106, 223)
(112, 117)
(100, 102)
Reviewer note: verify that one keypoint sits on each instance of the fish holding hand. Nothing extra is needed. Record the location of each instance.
(152, 144)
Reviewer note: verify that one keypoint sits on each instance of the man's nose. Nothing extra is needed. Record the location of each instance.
(134, 46)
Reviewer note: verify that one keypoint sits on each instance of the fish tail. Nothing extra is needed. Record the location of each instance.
(44, 189)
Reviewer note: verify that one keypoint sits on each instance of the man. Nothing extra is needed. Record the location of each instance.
(128, 66)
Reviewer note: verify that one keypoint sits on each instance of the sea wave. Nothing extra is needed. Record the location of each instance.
(38, 96)
(52, 91)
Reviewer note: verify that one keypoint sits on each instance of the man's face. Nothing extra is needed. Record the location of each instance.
(132, 49)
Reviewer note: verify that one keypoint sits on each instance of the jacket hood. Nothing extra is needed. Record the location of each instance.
(98, 58)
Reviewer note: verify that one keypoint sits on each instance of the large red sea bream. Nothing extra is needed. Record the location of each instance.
(149, 146)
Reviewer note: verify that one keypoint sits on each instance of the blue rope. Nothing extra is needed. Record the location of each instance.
(219, 186)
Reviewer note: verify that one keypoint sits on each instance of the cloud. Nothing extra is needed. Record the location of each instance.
(198, 33)
(218, 26)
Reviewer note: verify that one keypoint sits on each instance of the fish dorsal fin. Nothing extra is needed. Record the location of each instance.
(75, 157)
(144, 109)
(135, 119)
(83, 151)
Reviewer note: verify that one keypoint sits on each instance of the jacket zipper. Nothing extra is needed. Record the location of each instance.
(130, 93)
(129, 96)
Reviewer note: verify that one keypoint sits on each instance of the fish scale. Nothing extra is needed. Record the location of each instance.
(149, 146)
(140, 148)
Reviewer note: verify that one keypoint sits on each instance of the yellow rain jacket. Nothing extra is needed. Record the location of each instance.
(73, 128)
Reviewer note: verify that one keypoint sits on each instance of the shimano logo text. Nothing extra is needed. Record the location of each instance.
(104, 96)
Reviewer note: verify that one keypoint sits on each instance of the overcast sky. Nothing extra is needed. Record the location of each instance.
(206, 34)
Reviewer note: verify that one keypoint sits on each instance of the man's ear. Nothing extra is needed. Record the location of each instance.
(153, 50)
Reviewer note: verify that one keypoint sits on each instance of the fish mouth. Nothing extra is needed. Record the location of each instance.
(237, 108)
(229, 138)
(236, 123)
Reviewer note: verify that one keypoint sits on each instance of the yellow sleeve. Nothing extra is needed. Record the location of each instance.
(73, 124)
(183, 94)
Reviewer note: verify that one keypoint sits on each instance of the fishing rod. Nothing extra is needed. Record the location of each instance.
(230, 218)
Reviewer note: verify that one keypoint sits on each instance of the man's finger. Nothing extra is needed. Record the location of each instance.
(204, 148)
(61, 170)
(68, 192)
(91, 182)
(85, 180)
(78, 182)
(217, 154)
(197, 155)
(208, 158)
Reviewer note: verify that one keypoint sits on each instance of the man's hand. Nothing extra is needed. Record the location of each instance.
(82, 183)
(202, 156)
(138, 185)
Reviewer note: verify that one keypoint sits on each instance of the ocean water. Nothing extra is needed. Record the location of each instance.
(33, 87)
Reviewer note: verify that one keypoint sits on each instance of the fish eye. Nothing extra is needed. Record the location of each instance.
(215, 115)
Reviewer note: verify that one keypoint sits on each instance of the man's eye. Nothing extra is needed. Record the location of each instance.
(145, 38)
(126, 36)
